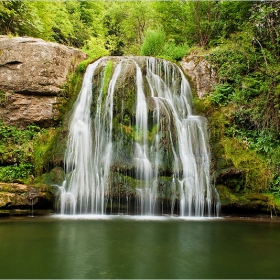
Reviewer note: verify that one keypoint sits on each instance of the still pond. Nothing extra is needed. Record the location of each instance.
(138, 247)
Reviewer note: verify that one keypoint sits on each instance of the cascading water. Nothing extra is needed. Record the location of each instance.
(133, 140)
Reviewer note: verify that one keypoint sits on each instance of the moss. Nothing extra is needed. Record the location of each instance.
(256, 196)
(257, 174)
(153, 132)
(129, 131)
(226, 195)
(201, 105)
(69, 95)
(263, 202)
(57, 175)
(231, 152)
(42, 150)
(41, 180)
(107, 76)
(273, 204)
(126, 184)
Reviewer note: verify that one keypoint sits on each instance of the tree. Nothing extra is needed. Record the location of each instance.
(265, 20)
(172, 17)
(126, 23)
(18, 18)
(204, 16)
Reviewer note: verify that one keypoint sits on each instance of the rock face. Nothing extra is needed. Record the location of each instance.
(203, 76)
(17, 199)
(22, 110)
(32, 75)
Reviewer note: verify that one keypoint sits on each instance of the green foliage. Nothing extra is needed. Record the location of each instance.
(202, 23)
(25, 152)
(171, 51)
(257, 174)
(95, 48)
(68, 22)
(11, 134)
(16, 152)
(12, 173)
(247, 94)
(275, 186)
(155, 44)
(231, 63)
(107, 76)
(168, 15)
(125, 24)
(233, 16)
(13, 18)
(221, 94)
(42, 146)
(243, 109)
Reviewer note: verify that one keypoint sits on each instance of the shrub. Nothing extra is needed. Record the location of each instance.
(175, 52)
(153, 43)
(11, 173)
(156, 44)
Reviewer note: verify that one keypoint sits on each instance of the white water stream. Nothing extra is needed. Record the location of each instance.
(90, 144)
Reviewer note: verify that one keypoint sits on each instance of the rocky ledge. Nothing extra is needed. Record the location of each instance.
(20, 199)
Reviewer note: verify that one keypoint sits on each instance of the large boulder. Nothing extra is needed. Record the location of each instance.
(33, 73)
(203, 76)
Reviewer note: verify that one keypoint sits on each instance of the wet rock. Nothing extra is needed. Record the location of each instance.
(20, 196)
(244, 203)
(57, 175)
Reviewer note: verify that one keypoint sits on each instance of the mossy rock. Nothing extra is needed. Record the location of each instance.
(18, 196)
(227, 196)
(246, 203)
(57, 175)
(256, 197)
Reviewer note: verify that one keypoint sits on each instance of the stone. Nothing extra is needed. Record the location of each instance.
(34, 66)
(203, 76)
(33, 73)
(22, 110)
(20, 196)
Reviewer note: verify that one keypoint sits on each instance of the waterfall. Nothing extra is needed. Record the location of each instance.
(134, 142)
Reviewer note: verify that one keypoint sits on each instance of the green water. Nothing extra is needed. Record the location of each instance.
(137, 248)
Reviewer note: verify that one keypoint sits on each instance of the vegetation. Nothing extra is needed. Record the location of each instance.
(156, 44)
(239, 38)
(16, 152)
(247, 95)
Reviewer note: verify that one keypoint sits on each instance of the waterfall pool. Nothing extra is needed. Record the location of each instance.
(92, 246)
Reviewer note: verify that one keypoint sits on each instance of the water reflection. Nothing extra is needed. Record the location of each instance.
(128, 248)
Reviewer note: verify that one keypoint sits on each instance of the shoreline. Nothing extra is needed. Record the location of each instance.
(222, 217)
(255, 217)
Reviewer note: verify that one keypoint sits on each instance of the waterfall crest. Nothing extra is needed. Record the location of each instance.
(135, 143)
